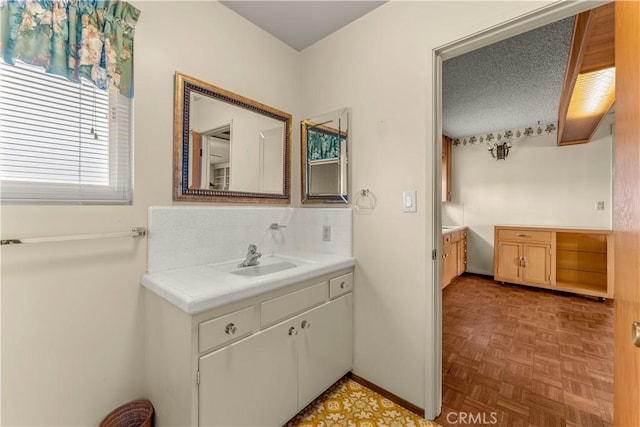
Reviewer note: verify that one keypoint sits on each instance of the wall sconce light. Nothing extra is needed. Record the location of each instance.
(500, 151)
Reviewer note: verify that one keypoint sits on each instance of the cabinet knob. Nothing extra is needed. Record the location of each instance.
(230, 329)
(293, 331)
(305, 324)
(341, 285)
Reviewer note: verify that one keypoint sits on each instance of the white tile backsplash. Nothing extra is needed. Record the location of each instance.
(185, 236)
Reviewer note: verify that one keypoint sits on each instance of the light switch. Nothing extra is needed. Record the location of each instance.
(409, 201)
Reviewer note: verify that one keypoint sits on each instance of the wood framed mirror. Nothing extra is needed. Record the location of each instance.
(228, 148)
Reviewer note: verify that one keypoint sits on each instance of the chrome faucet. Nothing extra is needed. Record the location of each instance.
(252, 257)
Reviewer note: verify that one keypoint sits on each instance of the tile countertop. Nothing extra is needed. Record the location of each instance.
(202, 287)
(452, 228)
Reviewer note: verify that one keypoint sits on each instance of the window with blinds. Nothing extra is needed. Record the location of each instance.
(62, 141)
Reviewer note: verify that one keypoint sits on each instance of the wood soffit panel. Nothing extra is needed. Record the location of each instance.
(592, 49)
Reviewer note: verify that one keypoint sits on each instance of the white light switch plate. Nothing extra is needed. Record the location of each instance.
(409, 201)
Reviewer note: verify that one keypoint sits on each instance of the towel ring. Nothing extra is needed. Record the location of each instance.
(365, 201)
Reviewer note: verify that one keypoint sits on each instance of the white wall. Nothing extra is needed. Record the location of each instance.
(381, 67)
(538, 184)
(72, 315)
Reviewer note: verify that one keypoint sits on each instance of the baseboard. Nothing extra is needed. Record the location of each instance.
(392, 397)
(484, 276)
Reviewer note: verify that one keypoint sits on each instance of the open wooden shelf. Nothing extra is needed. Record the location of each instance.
(595, 262)
(582, 263)
(583, 242)
(582, 288)
(578, 277)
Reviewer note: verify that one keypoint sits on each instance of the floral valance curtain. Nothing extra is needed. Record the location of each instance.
(72, 38)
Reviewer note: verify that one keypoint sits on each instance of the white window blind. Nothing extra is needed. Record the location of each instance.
(61, 141)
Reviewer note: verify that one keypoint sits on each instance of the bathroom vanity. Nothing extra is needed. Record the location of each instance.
(246, 356)
(232, 343)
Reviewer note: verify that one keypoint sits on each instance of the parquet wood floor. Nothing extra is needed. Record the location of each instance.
(519, 356)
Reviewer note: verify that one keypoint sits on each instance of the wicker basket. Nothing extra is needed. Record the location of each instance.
(137, 413)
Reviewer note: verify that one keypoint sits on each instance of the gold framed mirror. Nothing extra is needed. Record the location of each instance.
(324, 142)
(228, 148)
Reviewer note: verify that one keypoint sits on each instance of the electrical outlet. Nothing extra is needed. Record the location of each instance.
(600, 205)
(326, 233)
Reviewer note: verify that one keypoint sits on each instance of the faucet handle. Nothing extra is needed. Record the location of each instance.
(252, 256)
(253, 252)
(276, 226)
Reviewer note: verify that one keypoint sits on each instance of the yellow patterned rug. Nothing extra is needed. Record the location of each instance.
(348, 403)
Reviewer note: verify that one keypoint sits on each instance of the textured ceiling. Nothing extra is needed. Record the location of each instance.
(301, 23)
(510, 84)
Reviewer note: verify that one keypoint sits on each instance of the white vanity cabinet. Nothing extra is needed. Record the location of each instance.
(251, 382)
(325, 347)
(252, 362)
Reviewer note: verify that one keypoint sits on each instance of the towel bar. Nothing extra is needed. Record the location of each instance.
(135, 232)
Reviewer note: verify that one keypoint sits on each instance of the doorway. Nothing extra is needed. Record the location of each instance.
(525, 23)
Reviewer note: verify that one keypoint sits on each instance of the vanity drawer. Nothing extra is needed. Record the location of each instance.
(291, 304)
(215, 332)
(340, 285)
(524, 235)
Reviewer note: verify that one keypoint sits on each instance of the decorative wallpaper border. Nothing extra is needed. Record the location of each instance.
(508, 135)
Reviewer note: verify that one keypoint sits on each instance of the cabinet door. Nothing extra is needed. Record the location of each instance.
(537, 264)
(325, 347)
(449, 263)
(252, 382)
(446, 248)
(462, 257)
(507, 267)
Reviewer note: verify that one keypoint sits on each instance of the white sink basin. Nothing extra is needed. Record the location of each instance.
(269, 263)
(259, 270)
